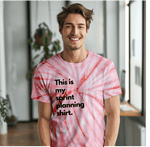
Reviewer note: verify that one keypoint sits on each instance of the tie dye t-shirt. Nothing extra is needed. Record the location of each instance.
(76, 92)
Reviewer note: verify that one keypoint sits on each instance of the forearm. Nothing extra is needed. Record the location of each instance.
(44, 132)
(112, 129)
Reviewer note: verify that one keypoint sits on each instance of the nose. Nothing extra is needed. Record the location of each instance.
(74, 31)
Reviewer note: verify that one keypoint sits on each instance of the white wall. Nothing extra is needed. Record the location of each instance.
(16, 49)
(115, 34)
(112, 32)
(121, 37)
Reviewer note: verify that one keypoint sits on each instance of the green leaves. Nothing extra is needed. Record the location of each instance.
(36, 57)
(46, 49)
(56, 46)
(50, 34)
(36, 46)
(30, 41)
(6, 119)
(4, 110)
(42, 59)
(42, 39)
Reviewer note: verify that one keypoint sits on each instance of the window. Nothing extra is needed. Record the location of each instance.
(135, 54)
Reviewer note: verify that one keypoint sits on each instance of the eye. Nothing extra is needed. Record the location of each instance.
(68, 26)
(81, 27)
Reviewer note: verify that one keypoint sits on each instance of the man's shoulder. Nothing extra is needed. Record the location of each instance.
(46, 64)
(101, 57)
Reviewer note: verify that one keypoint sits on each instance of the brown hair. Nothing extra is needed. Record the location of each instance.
(75, 8)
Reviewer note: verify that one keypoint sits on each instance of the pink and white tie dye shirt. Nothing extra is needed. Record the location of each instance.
(76, 92)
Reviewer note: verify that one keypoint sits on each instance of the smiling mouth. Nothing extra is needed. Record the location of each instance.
(74, 39)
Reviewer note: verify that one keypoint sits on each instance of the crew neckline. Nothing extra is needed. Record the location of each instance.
(85, 60)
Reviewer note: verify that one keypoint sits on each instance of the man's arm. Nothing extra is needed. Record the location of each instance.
(45, 112)
(112, 107)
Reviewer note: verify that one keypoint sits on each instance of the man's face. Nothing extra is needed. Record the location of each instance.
(74, 31)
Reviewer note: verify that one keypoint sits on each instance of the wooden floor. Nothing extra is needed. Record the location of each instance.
(23, 134)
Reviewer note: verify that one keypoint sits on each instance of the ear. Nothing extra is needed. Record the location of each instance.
(60, 29)
(87, 30)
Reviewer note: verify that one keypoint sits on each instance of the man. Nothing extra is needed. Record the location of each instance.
(72, 85)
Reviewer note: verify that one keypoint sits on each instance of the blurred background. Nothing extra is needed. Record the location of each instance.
(117, 32)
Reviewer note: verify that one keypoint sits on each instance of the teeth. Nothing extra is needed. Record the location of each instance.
(73, 39)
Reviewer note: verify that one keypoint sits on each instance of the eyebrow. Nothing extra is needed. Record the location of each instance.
(72, 24)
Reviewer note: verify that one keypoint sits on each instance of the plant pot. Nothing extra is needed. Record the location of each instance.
(39, 39)
(3, 128)
(12, 121)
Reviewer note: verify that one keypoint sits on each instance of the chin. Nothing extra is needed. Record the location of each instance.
(75, 48)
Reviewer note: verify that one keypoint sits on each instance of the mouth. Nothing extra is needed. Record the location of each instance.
(73, 39)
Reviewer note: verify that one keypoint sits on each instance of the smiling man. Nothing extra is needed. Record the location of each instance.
(75, 86)
(73, 33)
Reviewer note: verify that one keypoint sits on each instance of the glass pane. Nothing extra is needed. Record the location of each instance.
(136, 54)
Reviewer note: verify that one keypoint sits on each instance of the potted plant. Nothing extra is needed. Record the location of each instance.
(42, 39)
(3, 110)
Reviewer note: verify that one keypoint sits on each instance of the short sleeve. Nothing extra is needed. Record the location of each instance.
(39, 90)
(111, 82)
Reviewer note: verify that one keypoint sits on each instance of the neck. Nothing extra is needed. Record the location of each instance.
(74, 56)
